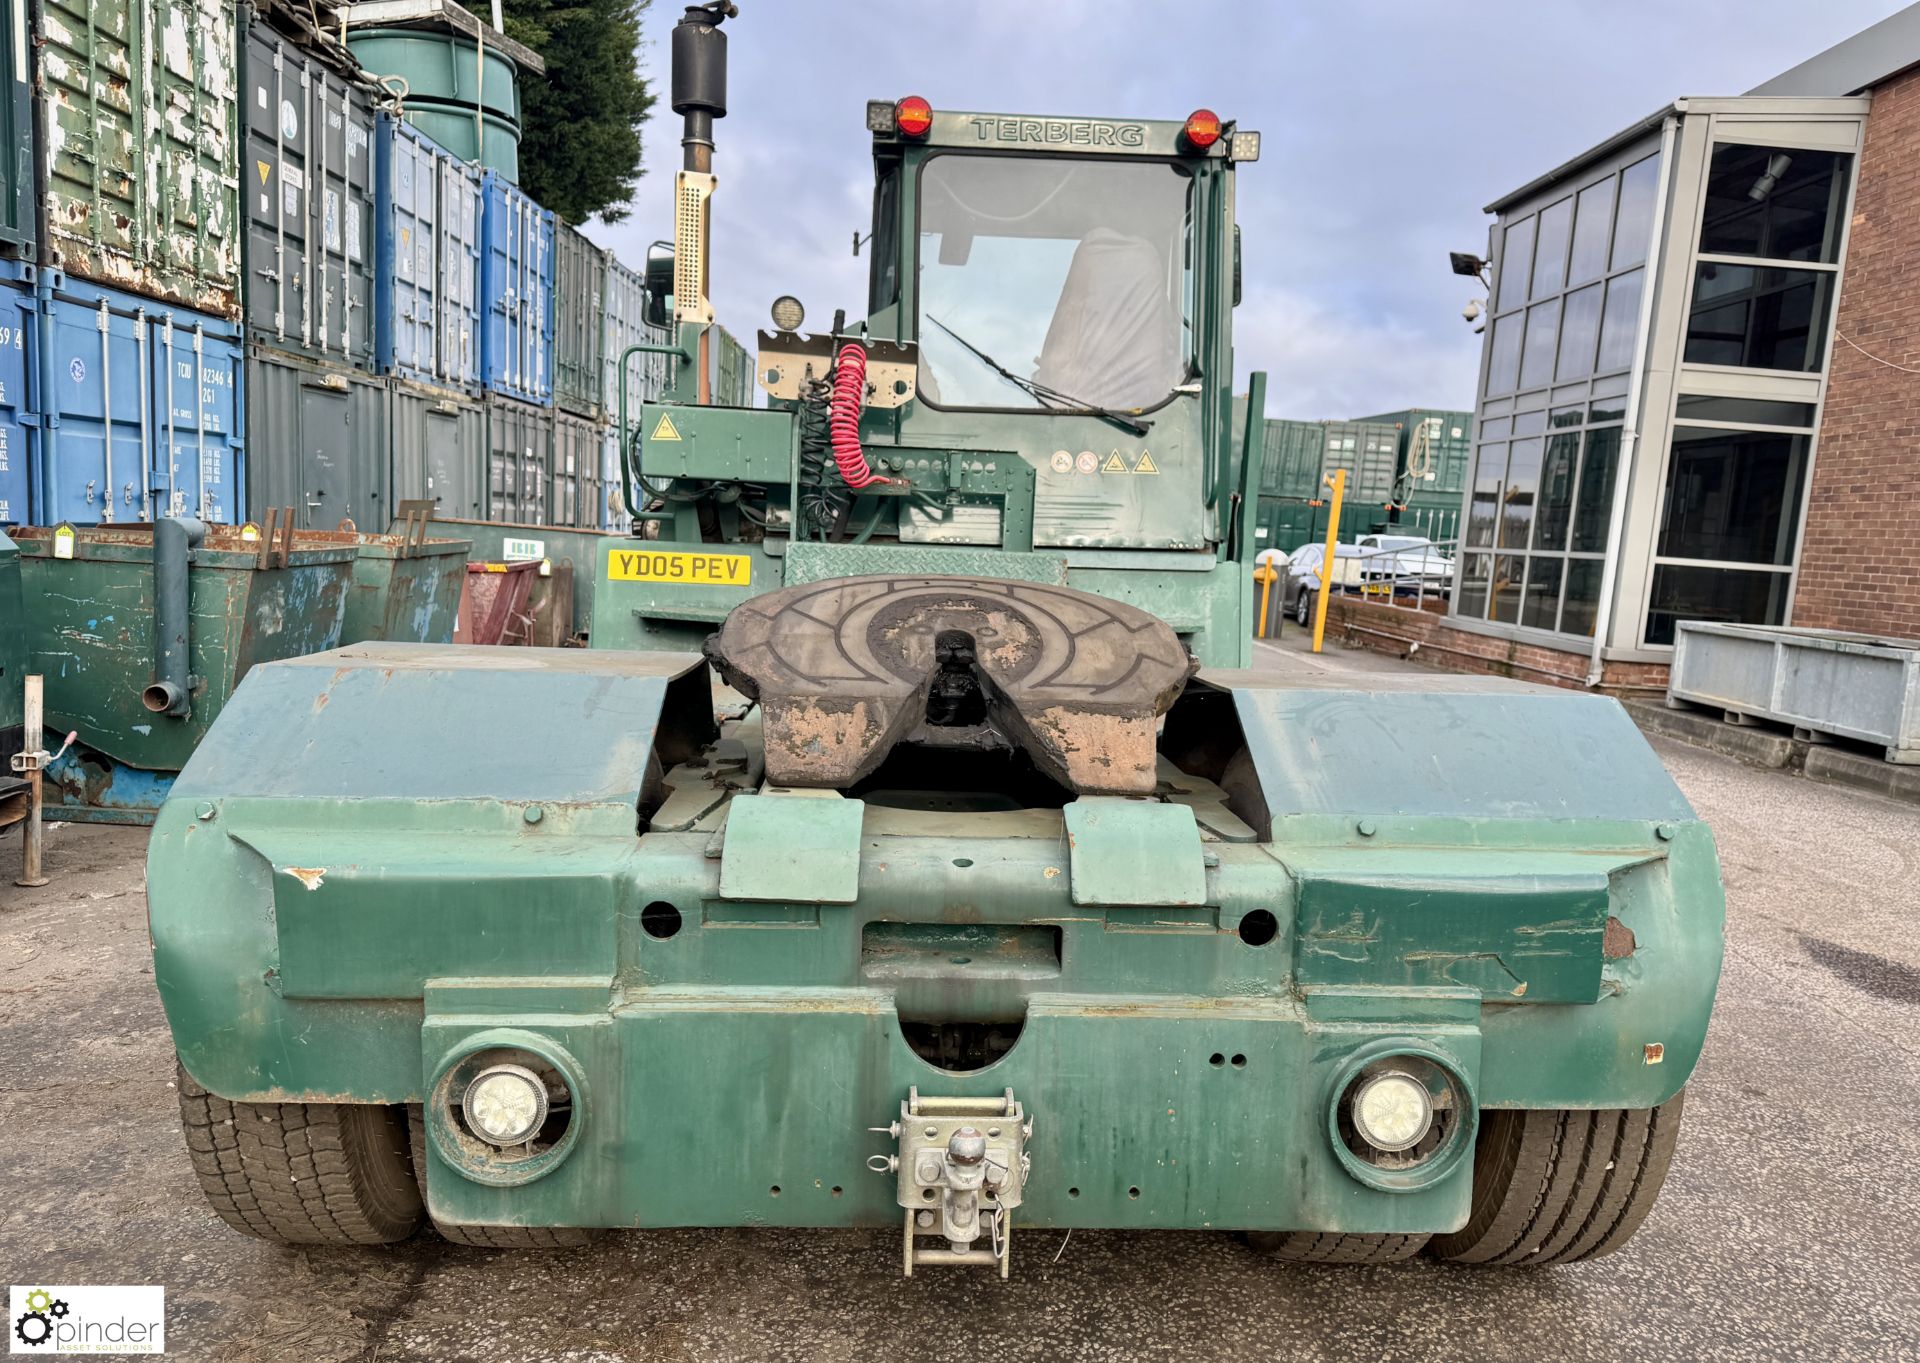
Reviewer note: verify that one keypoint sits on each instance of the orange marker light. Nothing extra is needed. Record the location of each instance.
(1202, 129)
(913, 116)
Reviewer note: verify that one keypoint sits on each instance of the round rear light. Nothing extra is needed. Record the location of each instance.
(1202, 129)
(913, 116)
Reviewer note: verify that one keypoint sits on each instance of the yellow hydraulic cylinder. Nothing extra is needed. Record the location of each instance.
(1339, 485)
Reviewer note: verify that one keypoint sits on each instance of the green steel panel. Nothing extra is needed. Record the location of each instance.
(752, 445)
(807, 562)
(90, 629)
(1518, 924)
(140, 102)
(1125, 851)
(1339, 747)
(763, 833)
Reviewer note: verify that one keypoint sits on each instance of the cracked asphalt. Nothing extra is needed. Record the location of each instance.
(1786, 1230)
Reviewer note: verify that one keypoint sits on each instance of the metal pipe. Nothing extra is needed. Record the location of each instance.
(32, 759)
(100, 322)
(626, 470)
(174, 539)
(1630, 434)
(700, 79)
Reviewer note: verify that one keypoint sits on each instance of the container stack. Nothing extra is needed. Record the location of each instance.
(120, 267)
(253, 280)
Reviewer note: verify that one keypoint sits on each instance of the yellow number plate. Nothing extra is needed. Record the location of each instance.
(689, 568)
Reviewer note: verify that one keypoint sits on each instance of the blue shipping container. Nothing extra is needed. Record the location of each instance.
(516, 279)
(427, 254)
(16, 319)
(133, 407)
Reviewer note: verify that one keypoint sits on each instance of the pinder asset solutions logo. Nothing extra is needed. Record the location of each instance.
(87, 1320)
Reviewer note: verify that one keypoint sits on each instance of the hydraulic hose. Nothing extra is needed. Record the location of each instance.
(849, 397)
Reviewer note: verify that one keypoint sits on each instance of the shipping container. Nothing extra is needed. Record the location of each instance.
(1291, 458)
(439, 69)
(138, 110)
(1288, 522)
(439, 450)
(318, 437)
(136, 407)
(309, 196)
(516, 286)
(16, 126)
(16, 319)
(579, 487)
(519, 460)
(579, 324)
(427, 259)
(1369, 453)
(1433, 442)
(627, 325)
(730, 371)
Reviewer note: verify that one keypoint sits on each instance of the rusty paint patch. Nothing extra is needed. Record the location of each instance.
(310, 876)
(1655, 1052)
(1617, 942)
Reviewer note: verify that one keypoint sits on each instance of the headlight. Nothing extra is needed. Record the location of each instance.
(1392, 1111)
(505, 1105)
(787, 313)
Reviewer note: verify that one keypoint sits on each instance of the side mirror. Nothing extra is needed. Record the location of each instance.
(1236, 264)
(659, 281)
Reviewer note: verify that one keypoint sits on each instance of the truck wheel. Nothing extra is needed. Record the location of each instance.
(1302, 612)
(488, 1237)
(1307, 1247)
(302, 1173)
(1557, 1187)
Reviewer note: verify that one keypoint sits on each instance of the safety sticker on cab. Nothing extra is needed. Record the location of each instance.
(680, 565)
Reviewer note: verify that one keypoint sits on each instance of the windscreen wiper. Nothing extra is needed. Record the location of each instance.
(1040, 392)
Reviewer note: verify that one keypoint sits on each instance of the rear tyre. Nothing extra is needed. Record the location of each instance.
(1302, 612)
(302, 1173)
(1306, 1247)
(488, 1237)
(1558, 1187)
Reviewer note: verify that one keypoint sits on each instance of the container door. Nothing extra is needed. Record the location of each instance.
(278, 113)
(16, 322)
(459, 266)
(416, 283)
(94, 378)
(16, 120)
(196, 418)
(340, 481)
(344, 227)
(143, 161)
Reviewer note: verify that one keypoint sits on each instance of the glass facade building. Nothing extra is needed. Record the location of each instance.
(1652, 374)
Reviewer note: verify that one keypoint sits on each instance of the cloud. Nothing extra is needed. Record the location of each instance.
(1387, 125)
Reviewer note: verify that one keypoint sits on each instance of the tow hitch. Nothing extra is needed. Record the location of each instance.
(961, 1165)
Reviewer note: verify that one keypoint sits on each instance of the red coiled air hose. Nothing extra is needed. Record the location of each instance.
(849, 396)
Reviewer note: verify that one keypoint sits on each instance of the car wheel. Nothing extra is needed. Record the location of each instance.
(1302, 611)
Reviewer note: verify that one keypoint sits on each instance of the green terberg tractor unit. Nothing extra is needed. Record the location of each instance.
(1004, 895)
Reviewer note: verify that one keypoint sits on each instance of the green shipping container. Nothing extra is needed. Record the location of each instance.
(1291, 466)
(1439, 443)
(579, 328)
(139, 102)
(13, 651)
(16, 122)
(1370, 454)
(731, 371)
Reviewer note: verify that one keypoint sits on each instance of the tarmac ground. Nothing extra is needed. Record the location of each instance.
(1786, 1229)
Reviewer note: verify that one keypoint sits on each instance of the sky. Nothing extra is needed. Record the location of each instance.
(1387, 125)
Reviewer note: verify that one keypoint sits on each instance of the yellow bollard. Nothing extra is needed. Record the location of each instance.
(1339, 485)
(1265, 575)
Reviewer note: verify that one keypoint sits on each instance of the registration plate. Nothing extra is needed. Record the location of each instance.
(689, 568)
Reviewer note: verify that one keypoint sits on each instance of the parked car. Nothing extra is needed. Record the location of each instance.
(1303, 575)
(1408, 561)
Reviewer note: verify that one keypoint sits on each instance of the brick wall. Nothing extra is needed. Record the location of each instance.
(1429, 638)
(1858, 565)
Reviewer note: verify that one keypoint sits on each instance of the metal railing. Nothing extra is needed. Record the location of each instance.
(1351, 576)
